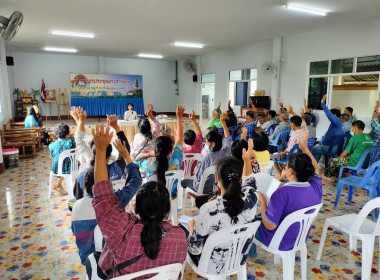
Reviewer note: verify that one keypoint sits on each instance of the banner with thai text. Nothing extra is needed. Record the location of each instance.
(105, 86)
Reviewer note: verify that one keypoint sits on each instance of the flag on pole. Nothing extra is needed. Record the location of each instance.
(43, 92)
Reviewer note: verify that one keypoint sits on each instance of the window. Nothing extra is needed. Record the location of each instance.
(345, 65)
(368, 63)
(319, 67)
(208, 78)
(242, 85)
(317, 88)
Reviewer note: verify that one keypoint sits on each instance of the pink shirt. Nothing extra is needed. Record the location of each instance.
(196, 147)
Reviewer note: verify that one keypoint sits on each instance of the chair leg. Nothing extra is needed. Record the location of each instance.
(323, 238)
(277, 259)
(339, 188)
(288, 266)
(174, 212)
(242, 273)
(180, 197)
(69, 186)
(303, 253)
(184, 203)
(50, 183)
(353, 243)
(367, 254)
(350, 193)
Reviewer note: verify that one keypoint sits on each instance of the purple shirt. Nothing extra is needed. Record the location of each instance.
(287, 199)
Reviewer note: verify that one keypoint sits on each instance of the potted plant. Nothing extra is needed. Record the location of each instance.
(35, 93)
(18, 93)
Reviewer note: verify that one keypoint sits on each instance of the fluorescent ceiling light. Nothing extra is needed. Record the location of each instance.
(73, 34)
(188, 45)
(305, 10)
(53, 49)
(147, 55)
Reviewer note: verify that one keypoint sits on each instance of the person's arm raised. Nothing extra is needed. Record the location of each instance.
(375, 113)
(179, 134)
(247, 156)
(197, 128)
(305, 149)
(223, 118)
(291, 111)
(102, 138)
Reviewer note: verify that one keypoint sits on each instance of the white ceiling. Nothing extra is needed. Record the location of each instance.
(124, 28)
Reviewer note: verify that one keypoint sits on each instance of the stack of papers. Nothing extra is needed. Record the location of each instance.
(184, 220)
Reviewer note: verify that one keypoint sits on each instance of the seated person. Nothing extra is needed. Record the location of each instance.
(31, 118)
(83, 214)
(231, 118)
(375, 123)
(145, 140)
(297, 136)
(334, 130)
(164, 156)
(251, 119)
(283, 124)
(154, 242)
(64, 142)
(237, 152)
(216, 117)
(193, 139)
(308, 121)
(309, 111)
(348, 111)
(346, 125)
(151, 109)
(261, 143)
(270, 120)
(235, 206)
(251, 106)
(304, 189)
(353, 152)
(130, 114)
(44, 133)
(218, 148)
(206, 151)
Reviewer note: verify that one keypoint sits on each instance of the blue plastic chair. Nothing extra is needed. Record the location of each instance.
(370, 182)
(347, 137)
(311, 142)
(336, 141)
(232, 130)
(293, 150)
(250, 129)
(284, 135)
(271, 129)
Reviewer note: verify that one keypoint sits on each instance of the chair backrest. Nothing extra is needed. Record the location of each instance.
(98, 239)
(311, 142)
(295, 149)
(250, 129)
(305, 218)
(266, 166)
(360, 218)
(371, 154)
(373, 173)
(235, 239)
(270, 129)
(173, 180)
(72, 156)
(347, 137)
(284, 136)
(166, 272)
(190, 162)
(208, 172)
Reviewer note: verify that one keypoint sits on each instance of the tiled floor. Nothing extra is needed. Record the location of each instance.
(36, 241)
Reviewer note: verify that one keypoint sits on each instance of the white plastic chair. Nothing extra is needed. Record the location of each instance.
(166, 272)
(190, 162)
(98, 239)
(266, 166)
(357, 226)
(234, 238)
(305, 219)
(73, 156)
(208, 171)
(173, 177)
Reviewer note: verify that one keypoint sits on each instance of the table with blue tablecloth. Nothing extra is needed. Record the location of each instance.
(103, 106)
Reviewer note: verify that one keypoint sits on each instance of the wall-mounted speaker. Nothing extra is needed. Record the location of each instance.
(195, 78)
(10, 61)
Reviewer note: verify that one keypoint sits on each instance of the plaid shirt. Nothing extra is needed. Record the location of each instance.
(296, 136)
(376, 129)
(121, 231)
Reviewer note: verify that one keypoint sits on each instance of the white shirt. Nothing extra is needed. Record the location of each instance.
(131, 117)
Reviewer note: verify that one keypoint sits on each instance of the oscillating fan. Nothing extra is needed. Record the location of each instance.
(10, 26)
(189, 66)
(268, 68)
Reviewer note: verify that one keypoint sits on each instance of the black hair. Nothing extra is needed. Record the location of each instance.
(335, 112)
(307, 117)
(302, 166)
(89, 181)
(250, 114)
(231, 114)
(93, 147)
(237, 149)
(164, 145)
(31, 111)
(272, 113)
(189, 137)
(359, 124)
(61, 130)
(133, 107)
(214, 136)
(350, 109)
(144, 128)
(229, 170)
(260, 141)
(296, 120)
(152, 205)
(212, 128)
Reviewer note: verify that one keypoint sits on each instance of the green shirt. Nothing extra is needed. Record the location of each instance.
(356, 147)
(216, 122)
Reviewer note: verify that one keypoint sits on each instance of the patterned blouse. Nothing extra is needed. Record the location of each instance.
(212, 217)
(56, 149)
(141, 144)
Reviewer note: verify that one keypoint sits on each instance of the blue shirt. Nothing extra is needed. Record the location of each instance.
(335, 128)
(31, 121)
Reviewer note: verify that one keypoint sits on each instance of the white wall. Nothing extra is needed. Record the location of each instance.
(245, 57)
(4, 87)
(30, 68)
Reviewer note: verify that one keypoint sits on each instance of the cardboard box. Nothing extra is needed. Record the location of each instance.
(259, 92)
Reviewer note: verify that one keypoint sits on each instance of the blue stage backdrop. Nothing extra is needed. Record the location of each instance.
(101, 94)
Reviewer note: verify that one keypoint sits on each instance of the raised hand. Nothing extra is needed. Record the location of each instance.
(303, 144)
(102, 137)
(219, 104)
(121, 148)
(281, 104)
(112, 121)
(74, 113)
(229, 103)
(223, 116)
(290, 110)
(180, 110)
(192, 115)
(82, 115)
(377, 106)
(324, 98)
(302, 112)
